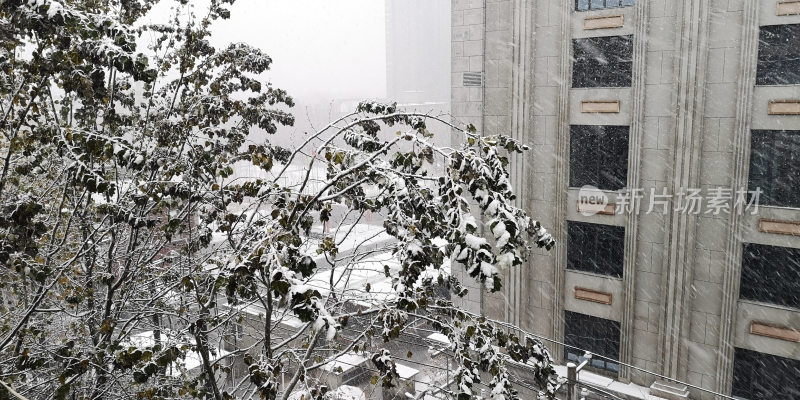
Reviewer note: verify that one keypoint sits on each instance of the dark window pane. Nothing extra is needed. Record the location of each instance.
(602, 61)
(598, 156)
(759, 376)
(775, 167)
(584, 5)
(779, 55)
(771, 274)
(595, 248)
(597, 335)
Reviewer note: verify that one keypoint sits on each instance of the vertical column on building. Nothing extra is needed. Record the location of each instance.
(499, 60)
(637, 132)
(520, 14)
(677, 289)
(710, 247)
(542, 181)
(641, 349)
(467, 82)
(562, 168)
(730, 271)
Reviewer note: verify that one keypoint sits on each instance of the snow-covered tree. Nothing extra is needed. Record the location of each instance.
(140, 262)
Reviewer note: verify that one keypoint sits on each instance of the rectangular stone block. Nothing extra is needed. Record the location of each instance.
(779, 227)
(606, 22)
(784, 107)
(473, 16)
(592, 295)
(788, 8)
(600, 106)
(774, 331)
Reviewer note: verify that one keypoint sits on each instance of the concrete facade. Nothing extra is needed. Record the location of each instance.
(691, 107)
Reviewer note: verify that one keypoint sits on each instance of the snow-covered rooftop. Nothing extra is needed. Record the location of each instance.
(405, 372)
(346, 362)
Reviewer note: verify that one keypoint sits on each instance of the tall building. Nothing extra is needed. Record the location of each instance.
(685, 115)
(417, 48)
(418, 59)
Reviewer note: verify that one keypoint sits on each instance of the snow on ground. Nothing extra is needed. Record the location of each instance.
(349, 238)
(352, 281)
(280, 315)
(362, 261)
(293, 176)
(344, 392)
(631, 390)
(192, 360)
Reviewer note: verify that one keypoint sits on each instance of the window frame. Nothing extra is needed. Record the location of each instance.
(746, 380)
(774, 166)
(612, 67)
(778, 65)
(629, 3)
(605, 240)
(593, 329)
(594, 148)
(766, 282)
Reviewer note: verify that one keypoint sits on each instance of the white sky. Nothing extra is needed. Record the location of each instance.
(322, 49)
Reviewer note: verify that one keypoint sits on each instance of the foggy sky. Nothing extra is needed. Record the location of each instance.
(322, 49)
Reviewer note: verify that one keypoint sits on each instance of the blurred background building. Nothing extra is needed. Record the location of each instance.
(418, 51)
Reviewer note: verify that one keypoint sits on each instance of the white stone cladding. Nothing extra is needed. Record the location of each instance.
(691, 107)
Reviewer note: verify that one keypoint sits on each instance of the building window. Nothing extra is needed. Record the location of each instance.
(771, 274)
(596, 335)
(602, 61)
(779, 55)
(595, 248)
(585, 5)
(598, 156)
(775, 167)
(764, 376)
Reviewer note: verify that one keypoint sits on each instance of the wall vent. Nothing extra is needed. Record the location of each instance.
(473, 79)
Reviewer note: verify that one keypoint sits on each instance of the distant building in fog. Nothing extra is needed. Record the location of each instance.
(418, 51)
